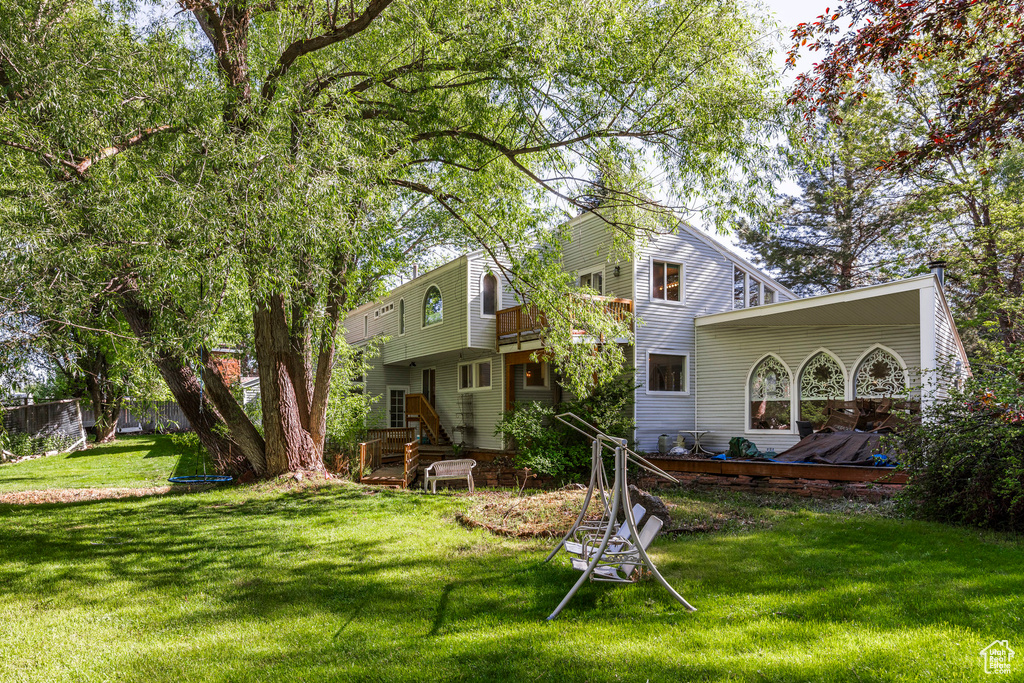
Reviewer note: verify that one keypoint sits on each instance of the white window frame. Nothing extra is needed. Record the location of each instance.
(686, 371)
(794, 402)
(545, 373)
(423, 307)
(366, 326)
(908, 386)
(682, 281)
(497, 295)
(387, 397)
(732, 288)
(474, 375)
(591, 271)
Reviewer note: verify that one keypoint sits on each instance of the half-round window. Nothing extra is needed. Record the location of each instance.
(820, 380)
(880, 375)
(489, 290)
(433, 307)
(770, 393)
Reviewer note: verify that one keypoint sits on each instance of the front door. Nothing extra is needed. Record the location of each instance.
(428, 385)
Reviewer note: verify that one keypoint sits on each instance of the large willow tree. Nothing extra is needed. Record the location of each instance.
(283, 158)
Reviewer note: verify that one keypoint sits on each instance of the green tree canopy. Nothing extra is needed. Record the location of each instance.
(284, 159)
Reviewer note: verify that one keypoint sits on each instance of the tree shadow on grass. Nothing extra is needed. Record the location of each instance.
(392, 577)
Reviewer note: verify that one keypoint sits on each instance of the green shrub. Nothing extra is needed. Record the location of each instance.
(965, 460)
(547, 446)
(186, 442)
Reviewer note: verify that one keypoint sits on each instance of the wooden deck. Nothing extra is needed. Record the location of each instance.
(789, 470)
(521, 323)
(378, 467)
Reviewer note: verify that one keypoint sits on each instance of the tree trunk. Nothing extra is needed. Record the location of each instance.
(106, 406)
(228, 455)
(289, 445)
(106, 413)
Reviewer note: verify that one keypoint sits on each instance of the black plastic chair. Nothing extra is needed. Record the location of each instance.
(804, 428)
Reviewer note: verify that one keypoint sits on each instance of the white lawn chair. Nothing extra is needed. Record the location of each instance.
(618, 565)
(577, 548)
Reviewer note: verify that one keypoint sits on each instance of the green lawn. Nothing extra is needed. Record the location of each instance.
(129, 462)
(260, 584)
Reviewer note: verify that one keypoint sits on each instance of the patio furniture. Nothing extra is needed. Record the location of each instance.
(621, 560)
(697, 435)
(449, 470)
(586, 529)
(610, 556)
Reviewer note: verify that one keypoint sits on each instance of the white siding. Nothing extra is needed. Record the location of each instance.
(726, 357)
(481, 327)
(418, 341)
(590, 246)
(668, 326)
(947, 350)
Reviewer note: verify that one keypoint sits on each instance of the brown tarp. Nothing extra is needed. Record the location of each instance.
(835, 448)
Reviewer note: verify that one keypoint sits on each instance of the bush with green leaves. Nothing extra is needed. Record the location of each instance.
(547, 446)
(965, 460)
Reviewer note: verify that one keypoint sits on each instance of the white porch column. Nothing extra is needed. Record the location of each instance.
(927, 333)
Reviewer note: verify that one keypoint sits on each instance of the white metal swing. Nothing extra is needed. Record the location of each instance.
(602, 549)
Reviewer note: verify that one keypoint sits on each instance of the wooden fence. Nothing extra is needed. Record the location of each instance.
(47, 419)
(164, 416)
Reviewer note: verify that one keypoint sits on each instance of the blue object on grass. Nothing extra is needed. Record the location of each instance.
(201, 479)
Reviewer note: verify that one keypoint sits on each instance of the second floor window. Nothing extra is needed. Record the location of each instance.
(433, 307)
(489, 290)
(667, 281)
(593, 279)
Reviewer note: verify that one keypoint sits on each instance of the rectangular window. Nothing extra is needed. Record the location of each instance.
(366, 326)
(397, 408)
(755, 293)
(593, 279)
(739, 288)
(666, 372)
(535, 375)
(769, 295)
(667, 281)
(474, 376)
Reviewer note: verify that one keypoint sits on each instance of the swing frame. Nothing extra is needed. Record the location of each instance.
(611, 502)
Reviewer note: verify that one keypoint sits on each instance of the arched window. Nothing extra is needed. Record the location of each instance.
(489, 292)
(880, 375)
(769, 392)
(821, 379)
(433, 307)
(401, 316)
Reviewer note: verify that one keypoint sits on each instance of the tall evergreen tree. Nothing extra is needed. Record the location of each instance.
(847, 227)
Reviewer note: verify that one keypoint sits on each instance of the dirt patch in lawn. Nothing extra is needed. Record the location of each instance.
(550, 515)
(78, 495)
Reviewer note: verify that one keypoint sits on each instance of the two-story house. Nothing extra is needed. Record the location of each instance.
(719, 345)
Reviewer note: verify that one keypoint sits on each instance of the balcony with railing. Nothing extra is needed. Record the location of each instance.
(525, 322)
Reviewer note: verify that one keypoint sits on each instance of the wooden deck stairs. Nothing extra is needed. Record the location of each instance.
(418, 409)
(386, 461)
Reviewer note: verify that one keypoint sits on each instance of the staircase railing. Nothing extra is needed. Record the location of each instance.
(417, 407)
(412, 461)
(370, 453)
(393, 439)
